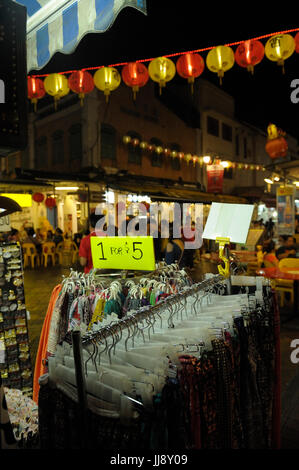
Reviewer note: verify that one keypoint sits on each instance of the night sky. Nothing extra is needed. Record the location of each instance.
(170, 28)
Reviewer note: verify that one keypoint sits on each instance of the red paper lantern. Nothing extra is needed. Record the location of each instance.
(276, 148)
(135, 75)
(50, 202)
(81, 82)
(249, 54)
(38, 197)
(190, 66)
(215, 178)
(35, 90)
(297, 42)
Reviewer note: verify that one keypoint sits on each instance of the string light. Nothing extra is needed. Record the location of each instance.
(188, 156)
(205, 49)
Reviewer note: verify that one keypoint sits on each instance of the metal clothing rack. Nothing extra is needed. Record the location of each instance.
(78, 341)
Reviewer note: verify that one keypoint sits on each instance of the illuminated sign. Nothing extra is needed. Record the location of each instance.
(134, 253)
(24, 200)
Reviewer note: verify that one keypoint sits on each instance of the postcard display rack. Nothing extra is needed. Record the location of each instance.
(15, 361)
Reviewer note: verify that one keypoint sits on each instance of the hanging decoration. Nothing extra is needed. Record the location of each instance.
(279, 48)
(161, 70)
(107, 79)
(126, 139)
(135, 75)
(38, 197)
(36, 90)
(81, 82)
(220, 59)
(187, 156)
(276, 145)
(50, 202)
(57, 86)
(190, 66)
(249, 54)
(215, 174)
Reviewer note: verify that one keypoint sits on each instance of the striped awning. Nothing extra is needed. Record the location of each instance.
(59, 25)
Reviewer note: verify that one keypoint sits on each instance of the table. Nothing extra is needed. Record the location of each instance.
(290, 274)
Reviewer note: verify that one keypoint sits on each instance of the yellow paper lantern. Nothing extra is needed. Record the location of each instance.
(56, 85)
(107, 79)
(159, 149)
(143, 145)
(174, 154)
(161, 70)
(188, 157)
(279, 48)
(126, 139)
(220, 59)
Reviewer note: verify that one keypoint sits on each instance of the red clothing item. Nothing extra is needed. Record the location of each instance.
(85, 249)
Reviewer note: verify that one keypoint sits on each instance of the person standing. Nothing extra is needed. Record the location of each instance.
(85, 256)
(174, 250)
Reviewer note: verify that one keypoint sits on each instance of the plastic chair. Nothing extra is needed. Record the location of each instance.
(286, 285)
(30, 255)
(59, 252)
(48, 251)
(75, 252)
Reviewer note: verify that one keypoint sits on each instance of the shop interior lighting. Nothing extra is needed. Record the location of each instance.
(276, 178)
(109, 196)
(224, 164)
(206, 159)
(66, 188)
(267, 180)
(297, 184)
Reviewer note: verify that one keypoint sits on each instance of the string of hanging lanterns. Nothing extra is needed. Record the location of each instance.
(187, 156)
(190, 65)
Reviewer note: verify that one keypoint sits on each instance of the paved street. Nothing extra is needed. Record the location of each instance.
(38, 287)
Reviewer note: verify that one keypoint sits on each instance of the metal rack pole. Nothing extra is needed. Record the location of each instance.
(81, 386)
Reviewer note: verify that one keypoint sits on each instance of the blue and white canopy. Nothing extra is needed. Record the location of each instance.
(59, 25)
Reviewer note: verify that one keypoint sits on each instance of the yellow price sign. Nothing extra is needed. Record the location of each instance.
(136, 253)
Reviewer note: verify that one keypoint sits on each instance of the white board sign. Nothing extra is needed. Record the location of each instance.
(5, 224)
(228, 220)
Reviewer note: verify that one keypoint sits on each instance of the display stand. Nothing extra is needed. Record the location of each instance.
(227, 223)
(15, 361)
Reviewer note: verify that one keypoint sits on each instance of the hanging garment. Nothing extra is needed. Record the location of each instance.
(224, 390)
(40, 368)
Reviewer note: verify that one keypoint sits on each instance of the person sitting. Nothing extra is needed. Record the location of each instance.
(270, 260)
(49, 236)
(288, 248)
(14, 235)
(31, 238)
(58, 236)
